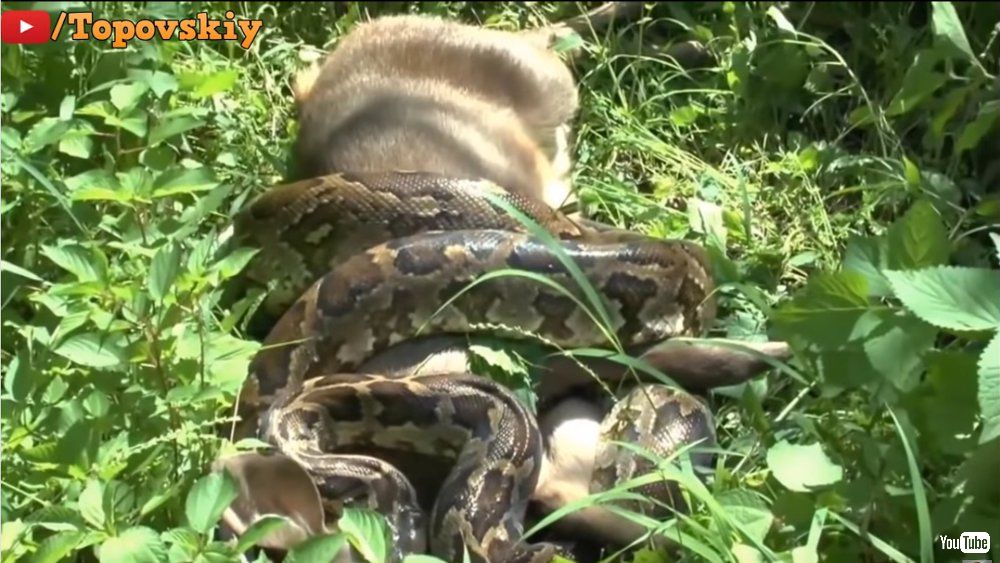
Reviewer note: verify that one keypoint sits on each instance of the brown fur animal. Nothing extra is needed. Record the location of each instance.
(424, 94)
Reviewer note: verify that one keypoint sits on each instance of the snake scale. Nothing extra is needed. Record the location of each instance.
(356, 263)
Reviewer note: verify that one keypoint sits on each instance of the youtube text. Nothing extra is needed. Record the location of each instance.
(84, 26)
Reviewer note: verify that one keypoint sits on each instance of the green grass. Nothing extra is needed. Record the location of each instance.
(836, 159)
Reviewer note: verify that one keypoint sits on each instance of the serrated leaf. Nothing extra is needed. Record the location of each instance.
(163, 271)
(989, 390)
(894, 345)
(135, 545)
(948, 297)
(91, 504)
(918, 239)
(825, 310)
(868, 257)
(208, 499)
(367, 531)
(318, 548)
(802, 468)
(76, 260)
(91, 350)
(184, 181)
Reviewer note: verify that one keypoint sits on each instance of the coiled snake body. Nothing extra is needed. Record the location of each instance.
(374, 260)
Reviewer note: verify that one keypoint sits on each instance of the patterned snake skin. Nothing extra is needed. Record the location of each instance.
(358, 263)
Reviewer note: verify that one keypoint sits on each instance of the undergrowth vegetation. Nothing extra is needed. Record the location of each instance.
(839, 160)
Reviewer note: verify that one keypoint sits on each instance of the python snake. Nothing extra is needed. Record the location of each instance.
(357, 263)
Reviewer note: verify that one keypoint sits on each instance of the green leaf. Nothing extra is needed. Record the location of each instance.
(184, 181)
(172, 127)
(206, 85)
(6, 266)
(159, 82)
(918, 239)
(125, 96)
(18, 379)
(940, 406)
(119, 500)
(67, 107)
(57, 547)
(92, 350)
(989, 390)
(135, 545)
(11, 534)
(948, 29)
(234, 262)
(318, 548)
(500, 358)
(135, 123)
(947, 109)
(76, 143)
(91, 503)
(802, 468)
(706, 217)
(208, 499)
(367, 531)
(47, 131)
(919, 494)
(973, 132)
(749, 510)
(780, 20)
(163, 271)
(894, 345)
(825, 310)
(868, 256)
(950, 297)
(76, 260)
(187, 538)
(419, 558)
(919, 84)
(260, 530)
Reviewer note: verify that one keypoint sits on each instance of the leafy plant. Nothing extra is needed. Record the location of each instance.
(834, 158)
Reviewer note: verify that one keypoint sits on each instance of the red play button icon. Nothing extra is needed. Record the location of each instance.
(25, 26)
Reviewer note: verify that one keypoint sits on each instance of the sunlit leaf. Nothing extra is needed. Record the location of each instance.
(802, 467)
